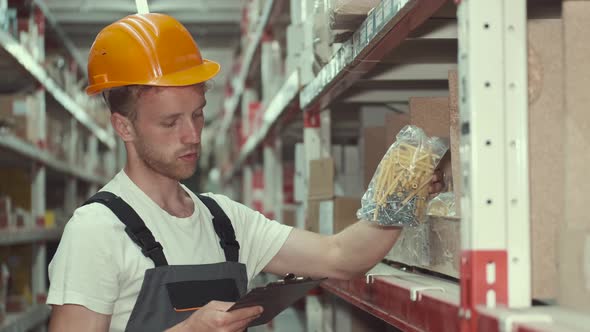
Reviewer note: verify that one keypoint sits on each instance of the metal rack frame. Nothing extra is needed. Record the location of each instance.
(41, 162)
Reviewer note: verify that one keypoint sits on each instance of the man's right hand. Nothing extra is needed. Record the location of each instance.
(215, 317)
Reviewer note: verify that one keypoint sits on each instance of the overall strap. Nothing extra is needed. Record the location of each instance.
(223, 228)
(135, 227)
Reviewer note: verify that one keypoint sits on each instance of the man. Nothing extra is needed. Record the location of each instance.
(146, 254)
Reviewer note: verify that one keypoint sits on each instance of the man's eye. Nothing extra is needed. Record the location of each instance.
(169, 124)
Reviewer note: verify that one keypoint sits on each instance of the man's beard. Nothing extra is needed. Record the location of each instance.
(170, 167)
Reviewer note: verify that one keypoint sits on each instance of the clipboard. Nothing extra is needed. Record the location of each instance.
(276, 296)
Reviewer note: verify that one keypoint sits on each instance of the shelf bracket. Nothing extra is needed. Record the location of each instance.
(415, 292)
(507, 323)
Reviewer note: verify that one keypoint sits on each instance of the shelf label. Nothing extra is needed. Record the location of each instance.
(370, 24)
(378, 16)
(388, 11)
(363, 36)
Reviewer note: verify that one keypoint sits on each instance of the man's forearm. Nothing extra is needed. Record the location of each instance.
(362, 245)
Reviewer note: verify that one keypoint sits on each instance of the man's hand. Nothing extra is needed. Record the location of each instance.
(215, 317)
(437, 184)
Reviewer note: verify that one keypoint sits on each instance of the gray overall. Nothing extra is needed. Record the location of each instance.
(171, 293)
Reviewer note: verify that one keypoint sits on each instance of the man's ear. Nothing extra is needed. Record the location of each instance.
(123, 127)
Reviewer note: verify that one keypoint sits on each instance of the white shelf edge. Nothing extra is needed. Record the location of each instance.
(23, 57)
(30, 318)
(30, 151)
(232, 103)
(275, 109)
(29, 235)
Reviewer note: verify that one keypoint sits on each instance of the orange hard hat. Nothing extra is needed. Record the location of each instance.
(146, 49)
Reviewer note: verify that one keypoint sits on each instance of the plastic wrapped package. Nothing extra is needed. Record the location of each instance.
(443, 205)
(397, 193)
(412, 248)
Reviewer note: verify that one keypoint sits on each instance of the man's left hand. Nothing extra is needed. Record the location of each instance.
(437, 184)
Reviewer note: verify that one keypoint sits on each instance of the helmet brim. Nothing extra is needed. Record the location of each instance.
(194, 75)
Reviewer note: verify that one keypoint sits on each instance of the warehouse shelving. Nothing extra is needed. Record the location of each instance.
(276, 108)
(418, 302)
(30, 235)
(78, 157)
(358, 56)
(33, 153)
(24, 59)
(25, 321)
(271, 7)
(491, 81)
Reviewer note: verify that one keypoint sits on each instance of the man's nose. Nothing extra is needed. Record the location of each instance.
(191, 133)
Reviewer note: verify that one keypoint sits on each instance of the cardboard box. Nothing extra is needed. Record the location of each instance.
(394, 122)
(577, 98)
(574, 254)
(289, 217)
(22, 113)
(546, 152)
(321, 179)
(431, 114)
(312, 218)
(574, 268)
(337, 214)
(374, 147)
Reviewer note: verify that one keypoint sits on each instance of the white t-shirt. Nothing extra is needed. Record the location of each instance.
(98, 266)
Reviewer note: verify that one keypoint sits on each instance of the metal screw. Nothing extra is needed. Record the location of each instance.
(467, 314)
(461, 313)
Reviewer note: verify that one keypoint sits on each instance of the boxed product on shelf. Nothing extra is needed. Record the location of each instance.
(394, 122)
(289, 215)
(432, 243)
(432, 114)
(16, 183)
(337, 214)
(19, 261)
(574, 249)
(23, 218)
(547, 175)
(321, 179)
(22, 112)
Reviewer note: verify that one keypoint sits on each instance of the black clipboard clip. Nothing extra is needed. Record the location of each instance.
(276, 296)
(289, 279)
